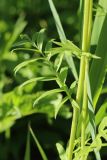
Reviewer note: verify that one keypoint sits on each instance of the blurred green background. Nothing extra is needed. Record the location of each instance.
(17, 104)
(14, 102)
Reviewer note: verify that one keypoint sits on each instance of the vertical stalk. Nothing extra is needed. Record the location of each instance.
(84, 107)
(83, 71)
(85, 47)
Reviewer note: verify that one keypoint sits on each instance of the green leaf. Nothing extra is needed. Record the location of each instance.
(22, 42)
(92, 125)
(101, 113)
(75, 104)
(37, 79)
(26, 49)
(58, 61)
(67, 46)
(49, 45)
(57, 21)
(25, 63)
(72, 87)
(40, 39)
(46, 94)
(43, 155)
(80, 14)
(103, 124)
(25, 37)
(89, 55)
(63, 74)
(98, 22)
(34, 39)
(61, 151)
(62, 36)
(19, 27)
(58, 107)
(71, 65)
(102, 128)
(27, 151)
(48, 48)
(98, 67)
(97, 143)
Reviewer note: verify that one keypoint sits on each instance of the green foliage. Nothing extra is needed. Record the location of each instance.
(99, 66)
(62, 37)
(101, 113)
(47, 82)
(61, 151)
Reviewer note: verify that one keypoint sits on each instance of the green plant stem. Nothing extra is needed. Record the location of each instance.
(85, 47)
(83, 70)
(75, 110)
(84, 107)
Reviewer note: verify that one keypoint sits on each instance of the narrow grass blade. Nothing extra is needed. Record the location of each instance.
(102, 112)
(43, 155)
(98, 67)
(57, 21)
(92, 125)
(91, 111)
(98, 23)
(19, 27)
(62, 36)
(80, 13)
(27, 151)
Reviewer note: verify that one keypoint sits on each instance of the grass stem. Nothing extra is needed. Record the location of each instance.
(82, 79)
(85, 47)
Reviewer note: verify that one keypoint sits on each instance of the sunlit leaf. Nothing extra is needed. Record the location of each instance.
(57, 108)
(37, 79)
(61, 151)
(40, 39)
(48, 93)
(58, 61)
(63, 74)
(25, 63)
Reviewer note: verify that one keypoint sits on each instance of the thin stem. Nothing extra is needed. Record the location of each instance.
(76, 111)
(85, 47)
(84, 107)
